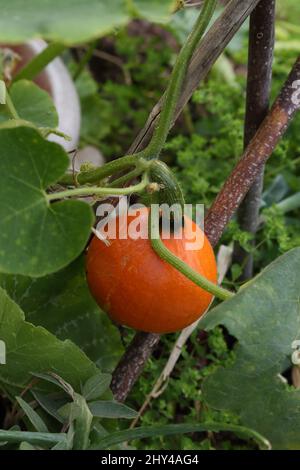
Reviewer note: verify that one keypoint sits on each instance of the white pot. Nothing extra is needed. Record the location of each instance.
(56, 79)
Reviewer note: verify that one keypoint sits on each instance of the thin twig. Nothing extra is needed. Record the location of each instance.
(261, 47)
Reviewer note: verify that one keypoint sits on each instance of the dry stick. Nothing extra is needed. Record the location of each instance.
(225, 205)
(223, 263)
(256, 154)
(211, 47)
(260, 58)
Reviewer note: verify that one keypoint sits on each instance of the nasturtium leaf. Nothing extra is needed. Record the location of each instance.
(155, 10)
(32, 104)
(265, 318)
(73, 21)
(36, 238)
(33, 349)
(62, 304)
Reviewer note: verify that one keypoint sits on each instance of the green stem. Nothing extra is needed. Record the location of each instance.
(39, 62)
(32, 437)
(10, 106)
(85, 59)
(96, 191)
(127, 177)
(165, 254)
(102, 172)
(172, 94)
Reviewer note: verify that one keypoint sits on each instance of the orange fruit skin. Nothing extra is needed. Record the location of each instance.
(137, 289)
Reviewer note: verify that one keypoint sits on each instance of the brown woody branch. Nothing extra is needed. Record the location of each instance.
(260, 58)
(255, 156)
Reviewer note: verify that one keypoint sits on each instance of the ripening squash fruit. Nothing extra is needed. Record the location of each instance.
(139, 290)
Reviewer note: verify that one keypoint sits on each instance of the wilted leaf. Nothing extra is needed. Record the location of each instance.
(265, 318)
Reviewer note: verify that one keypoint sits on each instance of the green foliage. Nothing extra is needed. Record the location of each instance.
(114, 112)
(37, 238)
(62, 304)
(51, 324)
(206, 157)
(79, 415)
(32, 348)
(252, 386)
(73, 21)
(32, 104)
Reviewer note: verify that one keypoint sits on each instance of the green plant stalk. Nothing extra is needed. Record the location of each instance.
(170, 100)
(165, 254)
(97, 191)
(104, 171)
(85, 59)
(127, 177)
(171, 429)
(32, 437)
(10, 106)
(176, 80)
(39, 62)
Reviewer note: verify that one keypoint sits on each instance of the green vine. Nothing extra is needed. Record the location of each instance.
(97, 191)
(39, 62)
(172, 94)
(165, 254)
(98, 174)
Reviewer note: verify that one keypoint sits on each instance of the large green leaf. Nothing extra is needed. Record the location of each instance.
(32, 104)
(73, 21)
(265, 318)
(33, 349)
(62, 303)
(36, 238)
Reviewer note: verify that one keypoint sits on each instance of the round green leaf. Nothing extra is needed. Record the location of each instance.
(36, 238)
(73, 21)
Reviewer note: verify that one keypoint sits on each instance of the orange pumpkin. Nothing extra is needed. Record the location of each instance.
(139, 290)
